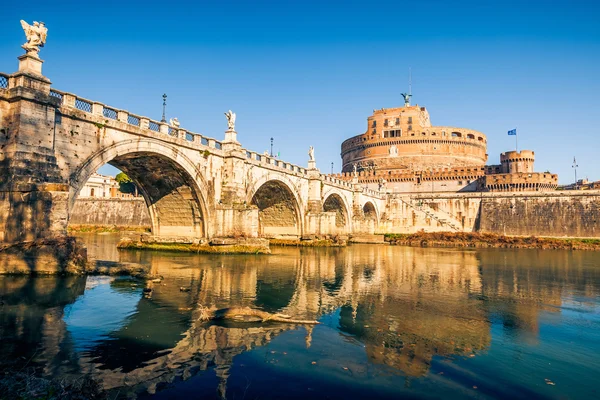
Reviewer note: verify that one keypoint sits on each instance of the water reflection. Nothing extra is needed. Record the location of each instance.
(408, 307)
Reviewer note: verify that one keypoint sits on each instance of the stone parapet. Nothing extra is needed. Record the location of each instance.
(519, 182)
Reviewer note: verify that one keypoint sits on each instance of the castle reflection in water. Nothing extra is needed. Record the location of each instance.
(405, 305)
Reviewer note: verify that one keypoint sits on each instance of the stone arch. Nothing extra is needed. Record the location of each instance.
(336, 203)
(280, 208)
(370, 211)
(174, 189)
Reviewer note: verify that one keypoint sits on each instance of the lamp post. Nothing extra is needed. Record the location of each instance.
(332, 168)
(164, 119)
(271, 147)
(575, 168)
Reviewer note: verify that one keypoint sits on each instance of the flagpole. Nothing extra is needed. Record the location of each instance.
(516, 141)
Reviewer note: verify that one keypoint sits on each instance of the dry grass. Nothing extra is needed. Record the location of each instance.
(490, 240)
(334, 242)
(24, 384)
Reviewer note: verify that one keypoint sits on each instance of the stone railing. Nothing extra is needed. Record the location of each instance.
(331, 179)
(262, 159)
(144, 123)
(371, 192)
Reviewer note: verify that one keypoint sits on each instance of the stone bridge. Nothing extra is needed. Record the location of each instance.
(194, 186)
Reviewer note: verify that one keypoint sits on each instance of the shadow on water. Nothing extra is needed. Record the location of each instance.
(395, 321)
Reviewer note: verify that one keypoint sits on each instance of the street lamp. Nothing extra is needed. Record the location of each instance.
(575, 168)
(271, 147)
(164, 119)
(332, 168)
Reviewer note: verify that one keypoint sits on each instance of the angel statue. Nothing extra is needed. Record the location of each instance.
(174, 122)
(36, 36)
(311, 153)
(355, 169)
(230, 120)
(406, 99)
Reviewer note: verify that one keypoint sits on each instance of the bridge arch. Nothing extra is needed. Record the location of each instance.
(174, 189)
(280, 207)
(334, 201)
(370, 211)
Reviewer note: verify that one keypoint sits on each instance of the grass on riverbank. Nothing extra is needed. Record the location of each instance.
(489, 240)
(106, 228)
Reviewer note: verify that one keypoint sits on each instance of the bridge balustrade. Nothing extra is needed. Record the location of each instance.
(88, 106)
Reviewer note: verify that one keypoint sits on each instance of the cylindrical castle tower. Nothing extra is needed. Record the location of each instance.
(517, 161)
(403, 139)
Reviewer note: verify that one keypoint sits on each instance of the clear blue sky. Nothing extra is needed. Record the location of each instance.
(310, 72)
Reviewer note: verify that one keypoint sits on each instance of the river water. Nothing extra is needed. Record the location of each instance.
(394, 322)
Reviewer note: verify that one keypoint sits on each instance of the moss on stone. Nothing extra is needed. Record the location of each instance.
(194, 248)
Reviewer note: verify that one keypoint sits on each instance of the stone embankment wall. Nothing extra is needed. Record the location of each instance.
(555, 214)
(576, 215)
(120, 212)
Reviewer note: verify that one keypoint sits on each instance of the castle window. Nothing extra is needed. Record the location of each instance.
(386, 134)
(374, 131)
(92, 192)
(397, 121)
(456, 134)
(385, 122)
(471, 136)
(410, 120)
(410, 127)
(374, 124)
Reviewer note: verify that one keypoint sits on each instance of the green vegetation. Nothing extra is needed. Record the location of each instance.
(489, 240)
(126, 185)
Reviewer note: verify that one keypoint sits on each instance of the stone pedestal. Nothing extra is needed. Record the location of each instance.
(230, 136)
(30, 64)
(312, 165)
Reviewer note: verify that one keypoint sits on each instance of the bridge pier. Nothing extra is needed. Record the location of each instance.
(33, 199)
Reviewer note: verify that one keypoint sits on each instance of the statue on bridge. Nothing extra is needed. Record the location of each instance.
(36, 37)
(174, 122)
(311, 153)
(230, 120)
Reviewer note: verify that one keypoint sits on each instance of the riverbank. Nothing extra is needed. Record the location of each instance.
(489, 240)
(327, 242)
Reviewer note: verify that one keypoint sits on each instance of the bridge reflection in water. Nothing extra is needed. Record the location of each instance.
(404, 305)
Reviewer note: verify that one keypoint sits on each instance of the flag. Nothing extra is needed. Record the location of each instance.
(512, 132)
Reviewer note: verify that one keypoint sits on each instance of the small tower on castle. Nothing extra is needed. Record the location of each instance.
(517, 161)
